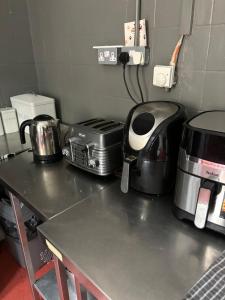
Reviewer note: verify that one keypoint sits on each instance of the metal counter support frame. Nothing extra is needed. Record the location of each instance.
(60, 271)
(79, 279)
(24, 243)
(61, 279)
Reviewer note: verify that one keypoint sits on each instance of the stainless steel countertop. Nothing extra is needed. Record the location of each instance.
(48, 189)
(11, 143)
(131, 246)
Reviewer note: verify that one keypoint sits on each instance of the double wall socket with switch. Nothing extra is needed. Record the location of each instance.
(109, 55)
(163, 76)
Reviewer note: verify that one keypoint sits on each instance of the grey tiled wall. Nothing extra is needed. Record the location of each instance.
(17, 69)
(64, 32)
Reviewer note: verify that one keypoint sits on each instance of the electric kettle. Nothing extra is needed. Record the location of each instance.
(45, 138)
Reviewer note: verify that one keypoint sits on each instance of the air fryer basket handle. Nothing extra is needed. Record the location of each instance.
(22, 130)
(126, 173)
(205, 192)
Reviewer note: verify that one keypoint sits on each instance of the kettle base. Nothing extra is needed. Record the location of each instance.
(47, 159)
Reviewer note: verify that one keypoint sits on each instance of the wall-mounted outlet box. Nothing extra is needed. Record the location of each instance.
(138, 55)
(163, 76)
(108, 55)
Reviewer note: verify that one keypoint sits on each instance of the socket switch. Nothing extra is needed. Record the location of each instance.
(138, 55)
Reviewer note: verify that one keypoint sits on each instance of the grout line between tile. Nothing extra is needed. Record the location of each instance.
(207, 54)
(154, 21)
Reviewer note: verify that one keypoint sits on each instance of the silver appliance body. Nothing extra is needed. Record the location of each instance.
(200, 186)
(95, 146)
(45, 138)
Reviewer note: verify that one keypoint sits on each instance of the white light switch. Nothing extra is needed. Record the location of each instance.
(137, 57)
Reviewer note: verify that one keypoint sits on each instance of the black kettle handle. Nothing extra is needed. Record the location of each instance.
(22, 130)
(128, 161)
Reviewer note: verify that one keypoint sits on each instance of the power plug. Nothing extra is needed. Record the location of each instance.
(124, 58)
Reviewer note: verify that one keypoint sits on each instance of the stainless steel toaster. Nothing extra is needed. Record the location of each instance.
(95, 145)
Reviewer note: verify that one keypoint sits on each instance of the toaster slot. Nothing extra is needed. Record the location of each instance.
(90, 120)
(109, 127)
(103, 124)
(93, 122)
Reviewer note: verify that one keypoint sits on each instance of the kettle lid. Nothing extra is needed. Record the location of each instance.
(43, 118)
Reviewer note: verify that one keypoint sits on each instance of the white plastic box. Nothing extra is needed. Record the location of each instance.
(9, 119)
(28, 106)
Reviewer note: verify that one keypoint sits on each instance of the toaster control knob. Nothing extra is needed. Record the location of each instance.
(93, 163)
(66, 152)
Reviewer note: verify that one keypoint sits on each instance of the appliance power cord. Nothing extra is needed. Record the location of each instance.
(139, 84)
(126, 85)
(124, 59)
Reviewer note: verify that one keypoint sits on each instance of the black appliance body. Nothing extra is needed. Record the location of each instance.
(45, 138)
(151, 142)
(200, 185)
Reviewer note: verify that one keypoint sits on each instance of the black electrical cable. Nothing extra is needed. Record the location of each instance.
(139, 84)
(126, 85)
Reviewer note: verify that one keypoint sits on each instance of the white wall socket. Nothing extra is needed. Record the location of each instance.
(163, 76)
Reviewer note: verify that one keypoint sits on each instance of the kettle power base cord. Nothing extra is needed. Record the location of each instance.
(11, 155)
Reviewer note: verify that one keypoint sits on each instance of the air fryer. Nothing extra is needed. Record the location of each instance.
(200, 185)
(151, 141)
